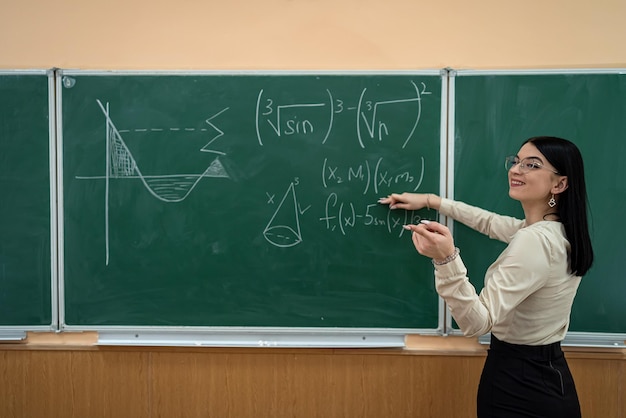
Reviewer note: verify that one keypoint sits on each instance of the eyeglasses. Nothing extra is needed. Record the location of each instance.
(525, 165)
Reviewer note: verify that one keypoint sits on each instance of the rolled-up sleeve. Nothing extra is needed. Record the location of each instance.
(517, 273)
(454, 287)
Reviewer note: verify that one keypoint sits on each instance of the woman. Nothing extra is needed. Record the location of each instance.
(529, 290)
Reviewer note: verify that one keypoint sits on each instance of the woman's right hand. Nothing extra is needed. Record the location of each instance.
(411, 201)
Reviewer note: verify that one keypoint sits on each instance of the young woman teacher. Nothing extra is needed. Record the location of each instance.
(529, 290)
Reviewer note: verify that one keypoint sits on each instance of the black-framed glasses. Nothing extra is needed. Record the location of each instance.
(526, 164)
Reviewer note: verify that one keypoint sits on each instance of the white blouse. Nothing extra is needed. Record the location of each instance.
(528, 291)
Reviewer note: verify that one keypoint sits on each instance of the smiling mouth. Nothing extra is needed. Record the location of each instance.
(517, 183)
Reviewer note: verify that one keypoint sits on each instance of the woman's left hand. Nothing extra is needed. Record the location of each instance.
(432, 240)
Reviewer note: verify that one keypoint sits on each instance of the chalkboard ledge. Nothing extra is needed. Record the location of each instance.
(456, 346)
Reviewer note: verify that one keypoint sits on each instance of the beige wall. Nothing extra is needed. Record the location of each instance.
(312, 34)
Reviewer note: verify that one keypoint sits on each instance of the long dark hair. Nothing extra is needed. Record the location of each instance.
(566, 159)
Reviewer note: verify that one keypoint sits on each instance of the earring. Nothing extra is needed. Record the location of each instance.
(552, 202)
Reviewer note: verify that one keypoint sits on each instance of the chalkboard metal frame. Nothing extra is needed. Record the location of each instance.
(242, 336)
(19, 332)
(573, 338)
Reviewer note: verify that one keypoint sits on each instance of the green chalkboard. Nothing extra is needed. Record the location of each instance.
(25, 226)
(246, 199)
(494, 113)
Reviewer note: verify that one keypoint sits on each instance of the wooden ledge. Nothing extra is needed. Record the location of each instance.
(448, 345)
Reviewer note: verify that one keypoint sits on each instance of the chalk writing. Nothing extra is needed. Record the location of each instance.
(286, 118)
(372, 176)
(342, 216)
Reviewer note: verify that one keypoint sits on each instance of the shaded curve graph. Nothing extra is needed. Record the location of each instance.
(169, 188)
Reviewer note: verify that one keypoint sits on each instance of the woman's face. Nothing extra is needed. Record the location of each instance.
(532, 180)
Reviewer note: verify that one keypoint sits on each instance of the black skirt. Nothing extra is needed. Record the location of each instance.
(526, 381)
